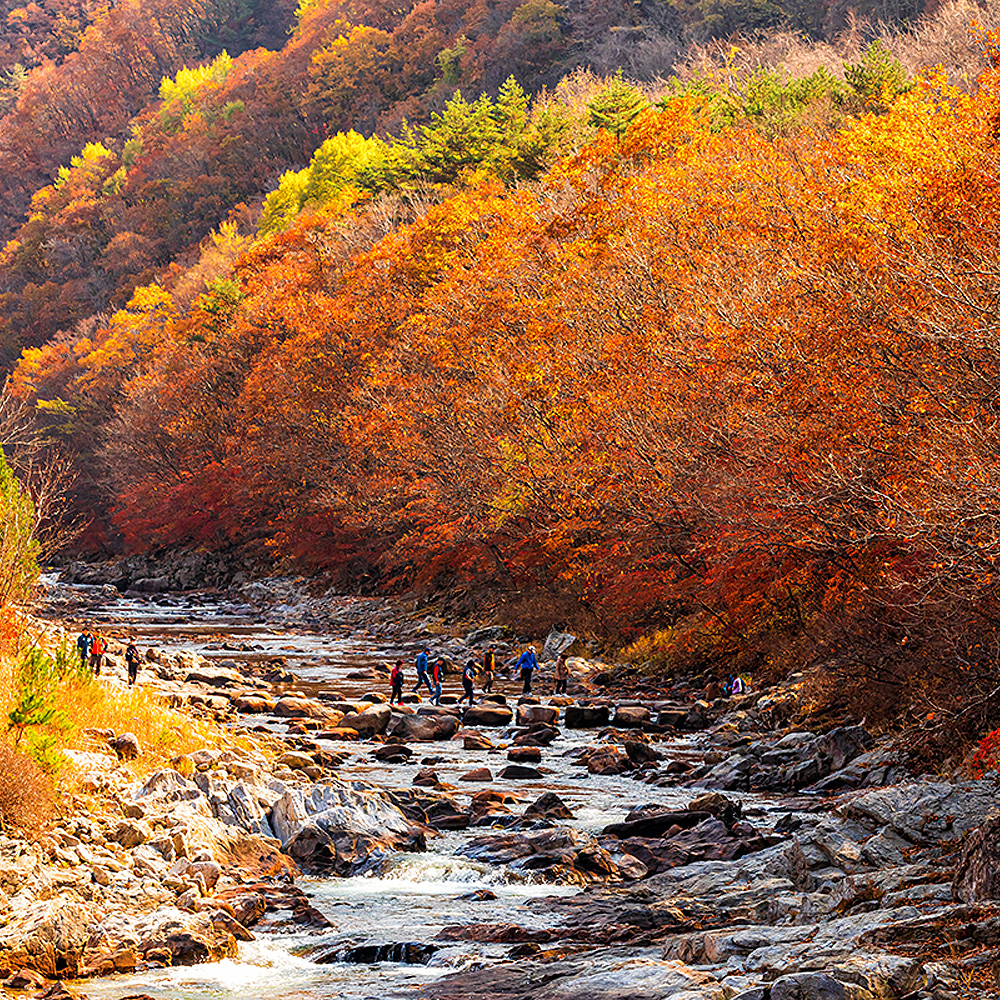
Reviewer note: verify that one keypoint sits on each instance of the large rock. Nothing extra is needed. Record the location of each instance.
(555, 854)
(371, 722)
(49, 937)
(335, 827)
(977, 875)
(631, 717)
(596, 976)
(298, 707)
(925, 811)
(487, 714)
(424, 728)
(531, 715)
(586, 716)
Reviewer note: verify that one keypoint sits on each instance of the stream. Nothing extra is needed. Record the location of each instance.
(412, 896)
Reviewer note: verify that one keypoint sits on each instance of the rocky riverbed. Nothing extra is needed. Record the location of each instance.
(553, 846)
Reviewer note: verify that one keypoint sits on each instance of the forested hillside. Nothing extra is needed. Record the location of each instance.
(703, 361)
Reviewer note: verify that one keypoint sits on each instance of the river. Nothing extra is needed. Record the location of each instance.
(413, 896)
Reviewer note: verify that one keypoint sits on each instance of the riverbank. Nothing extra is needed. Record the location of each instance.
(725, 857)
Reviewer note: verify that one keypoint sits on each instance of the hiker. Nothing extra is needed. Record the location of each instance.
(739, 687)
(468, 673)
(97, 650)
(713, 691)
(436, 677)
(489, 668)
(561, 674)
(396, 680)
(132, 660)
(422, 672)
(83, 644)
(526, 664)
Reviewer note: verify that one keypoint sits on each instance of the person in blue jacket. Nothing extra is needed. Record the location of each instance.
(422, 677)
(526, 664)
(83, 646)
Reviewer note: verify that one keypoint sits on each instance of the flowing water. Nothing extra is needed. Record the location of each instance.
(412, 896)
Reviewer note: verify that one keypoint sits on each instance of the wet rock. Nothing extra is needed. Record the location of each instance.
(977, 874)
(548, 806)
(489, 803)
(427, 778)
(530, 715)
(586, 716)
(437, 810)
(254, 704)
(553, 853)
(407, 953)
(392, 753)
(424, 728)
(493, 933)
(371, 722)
(333, 827)
(479, 774)
(641, 753)
(173, 937)
(471, 740)
(519, 772)
(294, 707)
(597, 976)
(24, 979)
(487, 715)
(631, 717)
(214, 676)
(719, 806)
(608, 760)
(537, 736)
(521, 754)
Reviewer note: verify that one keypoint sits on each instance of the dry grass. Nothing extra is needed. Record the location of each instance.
(86, 703)
(26, 801)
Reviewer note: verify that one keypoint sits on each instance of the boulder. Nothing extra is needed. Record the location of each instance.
(530, 715)
(553, 853)
(977, 874)
(479, 774)
(521, 772)
(424, 728)
(292, 706)
(49, 938)
(609, 759)
(254, 704)
(487, 714)
(586, 716)
(548, 806)
(521, 754)
(631, 717)
(555, 643)
(336, 827)
(371, 722)
(925, 811)
(536, 736)
(471, 740)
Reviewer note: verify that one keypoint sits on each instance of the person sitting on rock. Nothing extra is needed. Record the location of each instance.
(468, 673)
(132, 660)
(422, 672)
(396, 680)
(489, 668)
(97, 650)
(561, 673)
(526, 664)
(83, 644)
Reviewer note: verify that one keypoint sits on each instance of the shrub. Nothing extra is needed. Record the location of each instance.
(18, 546)
(26, 802)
